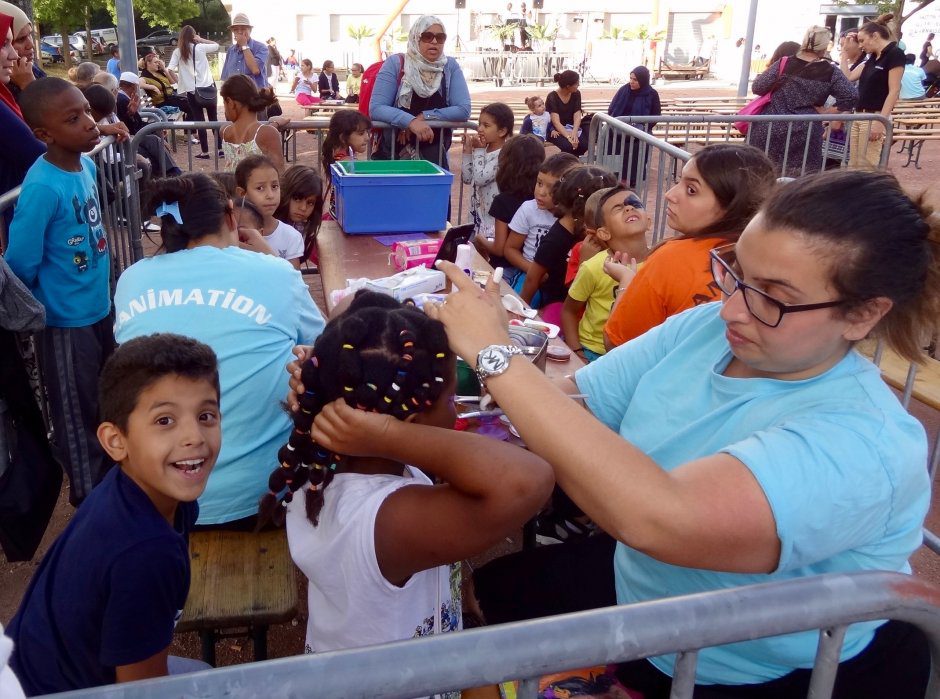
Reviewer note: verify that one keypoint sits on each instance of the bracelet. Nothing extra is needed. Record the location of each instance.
(246, 47)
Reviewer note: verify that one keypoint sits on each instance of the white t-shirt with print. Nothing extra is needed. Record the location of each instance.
(351, 603)
(532, 222)
(286, 241)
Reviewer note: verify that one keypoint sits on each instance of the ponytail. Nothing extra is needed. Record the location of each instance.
(844, 211)
(190, 207)
(242, 89)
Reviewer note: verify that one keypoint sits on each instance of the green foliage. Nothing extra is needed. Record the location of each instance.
(171, 14)
(894, 6)
(503, 31)
(541, 32)
(62, 14)
(359, 33)
(620, 34)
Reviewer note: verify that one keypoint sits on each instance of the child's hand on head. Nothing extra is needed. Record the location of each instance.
(621, 267)
(302, 354)
(251, 239)
(346, 430)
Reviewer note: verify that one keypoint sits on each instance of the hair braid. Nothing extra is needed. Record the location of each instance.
(380, 355)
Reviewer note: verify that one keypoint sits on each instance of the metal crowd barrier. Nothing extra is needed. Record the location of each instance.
(648, 164)
(318, 126)
(531, 649)
(117, 188)
(695, 130)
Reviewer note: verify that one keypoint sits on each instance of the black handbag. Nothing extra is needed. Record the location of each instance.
(31, 478)
(207, 96)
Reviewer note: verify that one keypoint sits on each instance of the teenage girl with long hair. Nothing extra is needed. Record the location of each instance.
(720, 189)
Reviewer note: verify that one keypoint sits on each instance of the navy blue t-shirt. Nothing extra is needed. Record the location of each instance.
(108, 592)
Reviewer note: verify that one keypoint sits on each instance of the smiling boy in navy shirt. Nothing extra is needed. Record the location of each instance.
(103, 604)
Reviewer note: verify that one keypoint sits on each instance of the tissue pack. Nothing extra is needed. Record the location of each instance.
(406, 284)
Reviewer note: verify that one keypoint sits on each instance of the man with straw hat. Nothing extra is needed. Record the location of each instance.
(245, 56)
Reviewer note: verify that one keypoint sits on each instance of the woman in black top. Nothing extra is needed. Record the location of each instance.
(329, 83)
(564, 105)
(879, 86)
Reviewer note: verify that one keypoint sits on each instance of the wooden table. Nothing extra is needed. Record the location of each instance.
(343, 257)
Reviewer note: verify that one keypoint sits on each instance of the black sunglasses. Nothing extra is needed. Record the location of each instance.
(763, 307)
(432, 37)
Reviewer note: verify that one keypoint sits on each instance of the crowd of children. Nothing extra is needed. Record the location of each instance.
(366, 458)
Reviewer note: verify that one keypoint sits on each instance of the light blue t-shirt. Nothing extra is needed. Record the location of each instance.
(912, 83)
(252, 309)
(841, 463)
(114, 67)
(58, 246)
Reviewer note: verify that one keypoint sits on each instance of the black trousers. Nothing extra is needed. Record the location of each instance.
(564, 144)
(578, 576)
(71, 360)
(200, 113)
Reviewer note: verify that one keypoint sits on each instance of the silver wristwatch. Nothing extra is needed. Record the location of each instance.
(494, 360)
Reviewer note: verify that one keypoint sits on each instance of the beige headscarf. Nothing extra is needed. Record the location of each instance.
(20, 19)
(422, 77)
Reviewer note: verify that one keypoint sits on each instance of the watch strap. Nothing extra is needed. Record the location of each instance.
(483, 374)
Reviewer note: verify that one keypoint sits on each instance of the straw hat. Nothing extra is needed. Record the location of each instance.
(241, 20)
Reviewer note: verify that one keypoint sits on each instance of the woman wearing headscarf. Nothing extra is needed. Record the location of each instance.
(636, 98)
(419, 86)
(26, 69)
(801, 85)
(20, 148)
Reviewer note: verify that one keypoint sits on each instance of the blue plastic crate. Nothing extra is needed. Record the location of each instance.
(391, 196)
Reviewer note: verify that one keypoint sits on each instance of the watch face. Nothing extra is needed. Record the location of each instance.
(492, 360)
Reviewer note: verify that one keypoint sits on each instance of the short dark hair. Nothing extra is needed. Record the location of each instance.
(558, 164)
(34, 100)
(248, 165)
(242, 205)
(501, 113)
(139, 363)
(910, 59)
(100, 100)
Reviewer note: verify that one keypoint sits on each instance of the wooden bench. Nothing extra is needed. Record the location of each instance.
(911, 131)
(895, 372)
(688, 71)
(239, 580)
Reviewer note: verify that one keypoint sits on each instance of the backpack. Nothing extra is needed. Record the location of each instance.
(368, 82)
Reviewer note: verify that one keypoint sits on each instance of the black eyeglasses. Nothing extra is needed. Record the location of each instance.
(764, 308)
(432, 37)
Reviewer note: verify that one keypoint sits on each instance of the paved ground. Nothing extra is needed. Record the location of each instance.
(287, 639)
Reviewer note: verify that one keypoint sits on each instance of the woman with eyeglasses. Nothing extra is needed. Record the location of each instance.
(720, 189)
(739, 442)
(416, 87)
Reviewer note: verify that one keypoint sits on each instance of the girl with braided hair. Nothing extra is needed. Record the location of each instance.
(380, 543)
